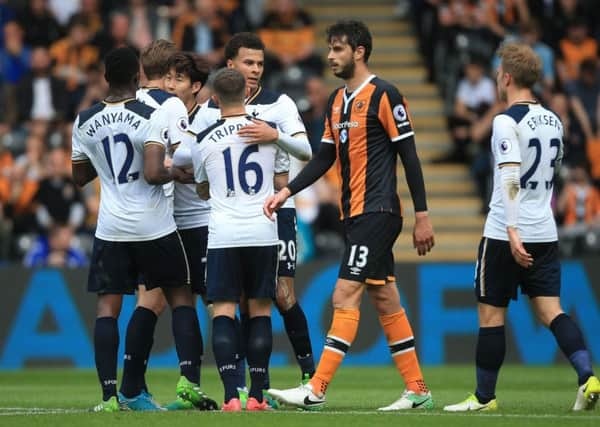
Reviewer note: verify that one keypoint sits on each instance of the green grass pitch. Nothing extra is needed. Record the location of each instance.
(531, 396)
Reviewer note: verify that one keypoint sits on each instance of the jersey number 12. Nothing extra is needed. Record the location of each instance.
(124, 176)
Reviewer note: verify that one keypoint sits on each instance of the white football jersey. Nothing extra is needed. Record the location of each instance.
(240, 178)
(112, 136)
(176, 117)
(530, 135)
(190, 211)
(271, 107)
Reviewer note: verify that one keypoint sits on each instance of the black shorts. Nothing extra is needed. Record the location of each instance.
(194, 242)
(231, 271)
(115, 267)
(368, 256)
(286, 228)
(497, 274)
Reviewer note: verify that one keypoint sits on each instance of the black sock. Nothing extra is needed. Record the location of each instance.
(144, 386)
(491, 348)
(188, 342)
(106, 347)
(225, 339)
(297, 331)
(242, 329)
(569, 339)
(140, 332)
(260, 344)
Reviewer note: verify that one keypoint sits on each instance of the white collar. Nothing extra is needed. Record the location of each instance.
(347, 98)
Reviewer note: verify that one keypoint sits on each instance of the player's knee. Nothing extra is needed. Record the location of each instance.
(109, 306)
(154, 301)
(285, 297)
(346, 296)
(548, 315)
(385, 299)
(490, 316)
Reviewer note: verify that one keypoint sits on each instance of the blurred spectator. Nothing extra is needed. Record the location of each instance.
(90, 14)
(576, 47)
(58, 199)
(96, 88)
(475, 95)
(42, 27)
(55, 250)
(573, 142)
(73, 54)
(203, 30)
(584, 97)
(63, 10)
(531, 33)
(117, 34)
(579, 204)
(6, 162)
(6, 14)
(15, 56)
(288, 32)
(502, 16)
(41, 95)
(313, 115)
(144, 20)
(556, 16)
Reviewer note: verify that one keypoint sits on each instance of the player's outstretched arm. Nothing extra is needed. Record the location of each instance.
(155, 172)
(423, 239)
(261, 132)
(83, 172)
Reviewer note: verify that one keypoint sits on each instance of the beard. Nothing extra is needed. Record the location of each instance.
(347, 72)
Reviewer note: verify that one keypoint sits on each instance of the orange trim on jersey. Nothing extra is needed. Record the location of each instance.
(391, 278)
(357, 152)
(387, 117)
(374, 282)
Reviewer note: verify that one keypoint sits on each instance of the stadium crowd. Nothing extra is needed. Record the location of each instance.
(50, 69)
(51, 55)
(458, 39)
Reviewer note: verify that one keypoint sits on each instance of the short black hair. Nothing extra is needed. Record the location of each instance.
(239, 40)
(356, 33)
(192, 65)
(229, 85)
(121, 66)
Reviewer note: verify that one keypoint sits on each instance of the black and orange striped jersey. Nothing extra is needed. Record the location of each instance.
(366, 126)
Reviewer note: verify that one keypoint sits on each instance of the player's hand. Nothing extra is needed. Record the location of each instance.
(423, 239)
(521, 256)
(258, 133)
(275, 201)
(181, 175)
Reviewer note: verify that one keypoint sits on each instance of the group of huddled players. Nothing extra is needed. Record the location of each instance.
(188, 200)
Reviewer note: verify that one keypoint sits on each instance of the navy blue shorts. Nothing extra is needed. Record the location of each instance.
(248, 270)
(498, 276)
(368, 256)
(116, 267)
(194, 242)
(286, 228)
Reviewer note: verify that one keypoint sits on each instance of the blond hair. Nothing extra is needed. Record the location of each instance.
(156, 58)
(522, 63)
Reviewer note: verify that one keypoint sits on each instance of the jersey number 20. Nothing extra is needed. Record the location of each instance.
(244, 166)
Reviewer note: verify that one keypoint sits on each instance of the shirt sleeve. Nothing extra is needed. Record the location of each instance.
(158, 134)
(77, 154)
(327, 134)
(289, 121)
(505, 141)
(393, 115)
(183, 155)
(198, 162)
(282, 161)
(178, 125)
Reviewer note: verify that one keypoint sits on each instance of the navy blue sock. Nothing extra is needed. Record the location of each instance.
(297, 331)
(569, 339)
(242, 329)
(106, 346)
(260, 344)
(188, 342)
(146, 361)
(225, 340)
(140, 332)
(491, 348)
